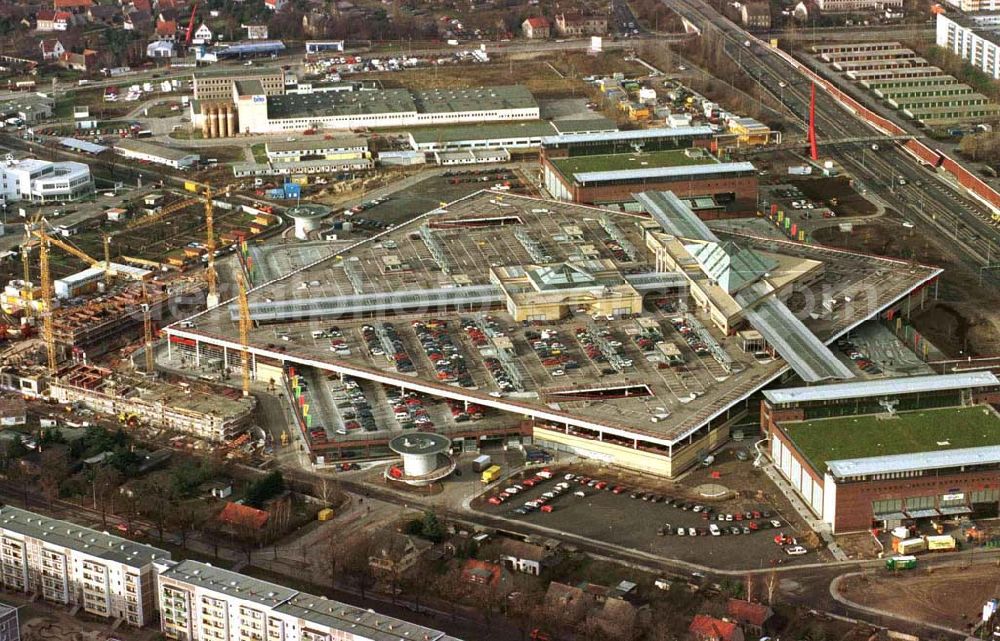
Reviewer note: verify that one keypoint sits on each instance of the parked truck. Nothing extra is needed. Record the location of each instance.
(941, 543)
(491, 474)
(901, 563)
(909, 546)
(481, 462)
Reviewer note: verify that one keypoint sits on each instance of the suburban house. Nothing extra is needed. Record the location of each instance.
(73, 6)
(706, 628)
(138, 21)
(752, 617)
(619, 618)
(240, 518)
(395, 553)
(256, 31)
(45, 20)
(51, 49)
(85, 61)
(521, 556)
(166, 30)
(536, 28)
(570, 601)
(482, 573)
(574, 25)
(202, 35)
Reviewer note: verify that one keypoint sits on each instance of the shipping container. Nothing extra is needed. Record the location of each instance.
(941, 543)
(491, 474)
(325, 514)
(909, 546)
(901, 563)
(481, 463)
(191, 186)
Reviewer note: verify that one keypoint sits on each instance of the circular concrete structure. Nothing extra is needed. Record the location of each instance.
(307, 218)
(425, 458)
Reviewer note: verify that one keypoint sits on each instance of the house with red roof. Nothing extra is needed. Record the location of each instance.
(536, 28)
(73, 6)
(85, 61)
(52, 49)
(752, 617)
(706, 628)
(45, 20)
(241, 517)
(166, 30)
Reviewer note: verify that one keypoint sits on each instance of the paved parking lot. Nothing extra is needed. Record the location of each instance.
(634, 523)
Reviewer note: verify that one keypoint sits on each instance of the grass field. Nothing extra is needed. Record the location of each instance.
(834, 439)
(616, 162)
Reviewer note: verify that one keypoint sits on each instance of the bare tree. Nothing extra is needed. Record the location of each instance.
(185, 518)
(106, 480)
(54, 464)
(157, 504)
(772, 586)
(329, 491)
(356, 564)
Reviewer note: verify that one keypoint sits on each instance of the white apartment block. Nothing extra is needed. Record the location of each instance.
(10, 627)
(847, 6)
(64, 563)
(971, 38)
(199, 602)
(969, 6)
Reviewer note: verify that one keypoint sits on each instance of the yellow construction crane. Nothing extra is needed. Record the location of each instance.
(244, 335)
(147, 326)
(47, 332)
(213, 296)
(160, 215)
(107, 257)
(27, 244)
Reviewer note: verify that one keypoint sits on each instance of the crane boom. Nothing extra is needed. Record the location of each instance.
(244, 335)
(165, 211)
(213, 296)
(147, 327)
(190, 29)
(47, 331)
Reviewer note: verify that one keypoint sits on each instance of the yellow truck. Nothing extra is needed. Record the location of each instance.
(491, 474)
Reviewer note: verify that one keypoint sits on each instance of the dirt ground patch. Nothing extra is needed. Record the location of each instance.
(964, 318)
(860, 545)
(535, 73)
(824, 190)
(947, 596)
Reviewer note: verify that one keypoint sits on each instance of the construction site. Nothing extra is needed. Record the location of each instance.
(58, 321)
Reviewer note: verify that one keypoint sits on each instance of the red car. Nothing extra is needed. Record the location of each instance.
(618, 489)
(495, 500)
(528, 482)
(546, 508)
(601, 485)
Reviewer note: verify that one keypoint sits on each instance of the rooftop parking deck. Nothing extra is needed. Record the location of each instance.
(454, 248)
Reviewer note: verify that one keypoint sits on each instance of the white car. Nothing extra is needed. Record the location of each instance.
(570, 477)
(580, 493)
(775, 523)
(714, 529)
(907, 224)
(795, 550)
(681, 531)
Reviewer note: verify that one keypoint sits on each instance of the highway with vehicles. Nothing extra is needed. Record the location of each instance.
(918, 192)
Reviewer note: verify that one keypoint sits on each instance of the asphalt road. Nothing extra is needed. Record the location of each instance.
(926, 198)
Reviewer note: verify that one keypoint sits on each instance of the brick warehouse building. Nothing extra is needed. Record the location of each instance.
(889, 452)
(608, 168)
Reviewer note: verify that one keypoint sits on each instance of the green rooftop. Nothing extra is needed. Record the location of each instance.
(835, 439)
(616, 162)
